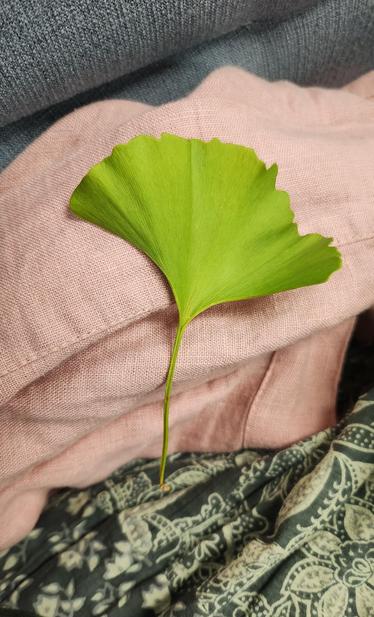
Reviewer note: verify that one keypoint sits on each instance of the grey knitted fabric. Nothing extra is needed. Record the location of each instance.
(52, 51)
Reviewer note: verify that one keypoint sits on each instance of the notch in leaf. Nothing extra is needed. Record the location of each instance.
(209, 216)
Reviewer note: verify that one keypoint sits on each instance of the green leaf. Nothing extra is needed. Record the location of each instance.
(209, 216)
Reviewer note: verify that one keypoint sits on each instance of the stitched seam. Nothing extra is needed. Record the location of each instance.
(115, 325)
(253, 400)
(111, 328)
(340, 361)
(355, 240)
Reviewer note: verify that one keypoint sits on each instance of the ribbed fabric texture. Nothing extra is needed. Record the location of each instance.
(50, 52)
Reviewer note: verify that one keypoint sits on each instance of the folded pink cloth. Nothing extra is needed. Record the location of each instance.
(87, 321)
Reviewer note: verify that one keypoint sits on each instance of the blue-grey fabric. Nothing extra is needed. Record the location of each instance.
(49, 50)
(53, 53)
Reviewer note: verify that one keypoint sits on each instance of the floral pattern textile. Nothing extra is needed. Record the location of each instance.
(246, 534)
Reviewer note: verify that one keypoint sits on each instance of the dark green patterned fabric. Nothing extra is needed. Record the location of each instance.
(248, 534)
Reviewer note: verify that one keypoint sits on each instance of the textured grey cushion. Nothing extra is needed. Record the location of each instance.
(51, 51)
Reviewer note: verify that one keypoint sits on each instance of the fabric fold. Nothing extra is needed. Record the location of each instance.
(87, 321)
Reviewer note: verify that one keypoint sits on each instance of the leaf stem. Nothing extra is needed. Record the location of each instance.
(168, 386)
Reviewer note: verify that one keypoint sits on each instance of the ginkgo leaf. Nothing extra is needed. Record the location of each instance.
(209, 216)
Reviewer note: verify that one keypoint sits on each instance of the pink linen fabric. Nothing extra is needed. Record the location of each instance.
(87, 322)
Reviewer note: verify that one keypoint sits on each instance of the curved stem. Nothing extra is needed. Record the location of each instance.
(169, 382)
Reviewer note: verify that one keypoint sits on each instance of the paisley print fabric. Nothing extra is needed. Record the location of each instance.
(246, 534)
